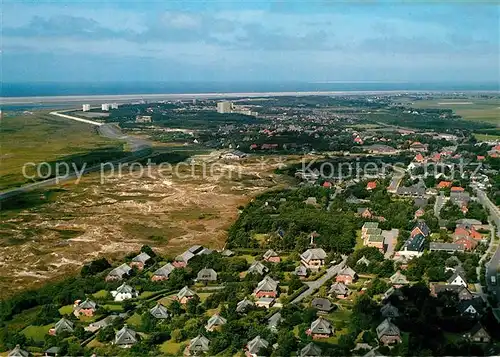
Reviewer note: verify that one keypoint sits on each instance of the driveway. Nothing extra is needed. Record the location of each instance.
(390, 240)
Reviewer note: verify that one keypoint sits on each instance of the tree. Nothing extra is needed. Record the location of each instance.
(94, 267)
(106, 334)
(294, 284)
(148, 322)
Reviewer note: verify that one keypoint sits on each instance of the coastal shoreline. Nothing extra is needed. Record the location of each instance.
(124, 98)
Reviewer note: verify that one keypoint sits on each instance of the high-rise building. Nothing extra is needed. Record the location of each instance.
(85, 107)
(105, 106)
(224, 107)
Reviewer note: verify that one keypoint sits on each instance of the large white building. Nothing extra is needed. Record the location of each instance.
(224, 107)
(114, 105)
(105, 106)
(85, 107)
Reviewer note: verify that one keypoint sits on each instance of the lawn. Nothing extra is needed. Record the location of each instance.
(42, 137)
(204, 296)
(113, 307)
(37, 333)
(134, 320)
(474, 109)
(23, 319)
(170, 347)
(486, 137)
(101, 294)
(146, 294)
(66, 310)
(359, 240)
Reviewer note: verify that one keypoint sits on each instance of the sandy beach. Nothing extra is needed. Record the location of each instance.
(124, 98)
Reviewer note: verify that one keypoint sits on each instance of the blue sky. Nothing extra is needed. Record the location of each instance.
(313, 41)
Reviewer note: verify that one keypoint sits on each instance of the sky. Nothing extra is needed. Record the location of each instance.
(239, 41)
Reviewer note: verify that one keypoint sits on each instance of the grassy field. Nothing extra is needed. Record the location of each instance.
(475, 109)
(44, 138)
(485, 137)
(37, 333)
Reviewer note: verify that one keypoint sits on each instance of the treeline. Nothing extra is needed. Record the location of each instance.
(290, 221)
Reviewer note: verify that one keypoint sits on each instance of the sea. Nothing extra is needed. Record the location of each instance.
(43, 89)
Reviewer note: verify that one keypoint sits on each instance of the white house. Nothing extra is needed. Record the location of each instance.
(124, 292)
(457, 279)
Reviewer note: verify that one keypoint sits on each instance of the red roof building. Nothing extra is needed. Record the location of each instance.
(480, 158)
(327, 184)
(419, 158)
(371, 185)
(457, 189)
(444, 184)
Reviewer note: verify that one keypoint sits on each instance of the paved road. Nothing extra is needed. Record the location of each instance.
(390, 240)
(398, 175)
(493, 266)
(438, 205)
(316, 284)
(139, 148)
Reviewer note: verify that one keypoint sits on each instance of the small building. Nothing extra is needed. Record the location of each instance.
(86, 308)
(244, 305)
(271, 256)
(445, 247)
(392, 291)
(371, 185)
(124, 292)
(477, 334)
(310, 350)
(215, 322)
(265, 302)
(267, 287)
(363, 261)
(463, 293)
(182, 260)
(320, 328)
(227, 253)
(233, 155)
(159, 311)
(52, 351)
(367, 226)
(398, 279)
(311, 201)
(389, 311)
(118, 273)
(126, 337)
(18, 352)
(274, 321)
(375, 241)
(339, 290)
(163, 273)
(388, 333)
(420, 228)
(206, 276)
(313, 258)
(140, 260)
(346, 276)
(254, 347)
(301, 271)
(257, 268)
(458, 278)
(198, 345)
(364, 212)
(472, 308)
(143, 119)
(105, 322)
(61, 326)
(322, 305)
(185, 294)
